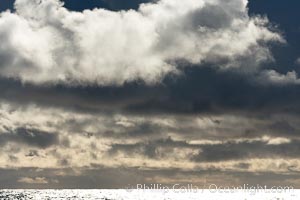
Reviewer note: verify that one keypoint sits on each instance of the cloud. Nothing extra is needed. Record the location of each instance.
(110, 48)
(111, 178)
(274, 148)
(74, 139)
(31, 137)
(297, 61)
(273, 77)
(32, 153)
(85, 142)
(231, 150)
(36, 180)
(223, 117)
(202, 90)
(283, 126)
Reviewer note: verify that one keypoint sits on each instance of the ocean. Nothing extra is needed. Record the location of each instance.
(141, 195)
(92, 195)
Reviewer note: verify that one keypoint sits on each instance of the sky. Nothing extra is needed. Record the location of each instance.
(113, 93)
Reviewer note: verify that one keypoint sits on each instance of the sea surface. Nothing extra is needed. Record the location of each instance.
(91, 195)
(140, 195)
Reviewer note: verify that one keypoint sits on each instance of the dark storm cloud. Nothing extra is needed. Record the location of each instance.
(231, 150)
(204, 90)
(199, 90)
(86, 99)
(31, 137)
(284, 127)
(247, 150)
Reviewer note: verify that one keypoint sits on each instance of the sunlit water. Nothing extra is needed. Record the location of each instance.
(61, 194)
(139, 195)
(90, 195)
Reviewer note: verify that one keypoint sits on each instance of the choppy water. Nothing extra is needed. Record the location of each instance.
(137, 195)
(88, 195)
(61, 194)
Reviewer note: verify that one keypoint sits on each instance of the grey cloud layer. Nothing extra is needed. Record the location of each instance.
(129, 177)
(201, 90)
(30, 137)
(110, 48)
(63, 138)
(59, 139)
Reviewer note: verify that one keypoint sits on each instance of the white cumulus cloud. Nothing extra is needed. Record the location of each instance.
(43, 42)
